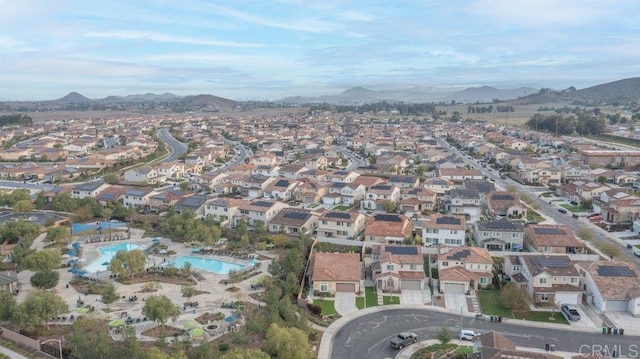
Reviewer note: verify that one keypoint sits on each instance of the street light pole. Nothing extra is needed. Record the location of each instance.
(59, 345)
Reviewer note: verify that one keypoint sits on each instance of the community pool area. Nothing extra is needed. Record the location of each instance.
(209, 264)
(107, 253)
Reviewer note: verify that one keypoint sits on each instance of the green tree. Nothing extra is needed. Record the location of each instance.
(34, 312)
(23, 207)
(609, 249)
(515, 297)
(63, 202)
(12, 232)
(88, 338)
(59, 235)
(43, 260)
(160, 309)
(109, 294)
(389, 206)
(128, 264)
(110, 178)
(45, 279)
(130, 347)
(241, 353)
(291, 343)
(241, 228)
(8, 307)
(443, 335)
(188, 291)
(602, 179)
(41, 201)
(259, 227)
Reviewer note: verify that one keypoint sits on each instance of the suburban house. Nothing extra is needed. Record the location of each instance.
(503, 204)
(460, 174)
(443, 229)
(549, 279)
(348, 192)
(258, 210)
(144, 174)
(137, 197)
(438, 185)
(193, 203)
(223, 209)
(88, 189)
(294, 221)
(341, 176)
(160, 202)
(499, 235)
(465, 202)
(461, 269)
(611, 286)
(335, 272)
(404, 181)
(378, 194)
(550, 238)
(8, 282)
(397, 267)
(341, 225)
(389, 228)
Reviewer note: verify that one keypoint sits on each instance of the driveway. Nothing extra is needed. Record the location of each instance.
(456, 301)
(412, 297)
(345, 303)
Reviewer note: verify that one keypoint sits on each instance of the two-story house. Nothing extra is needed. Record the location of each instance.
(611, 286)
(445, 229)
(341, 225)
(549, 279)
(550, 238)
(144, 174)
(223, 209)
(137, 197)
(499, 235)
(88, 189)
(465, 202)
(503, 204)
(258, 210)
(294, 222)
(461, 269)
(397, 267)
(378, 194)
(389, 228)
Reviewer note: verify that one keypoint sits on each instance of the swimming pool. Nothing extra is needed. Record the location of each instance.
(107, 253)
(209, 264)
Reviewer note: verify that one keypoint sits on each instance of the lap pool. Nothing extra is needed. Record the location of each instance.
(107, 253)
(209, 264)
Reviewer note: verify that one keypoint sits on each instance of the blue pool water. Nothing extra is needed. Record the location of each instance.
(208, 264)
(107, 253)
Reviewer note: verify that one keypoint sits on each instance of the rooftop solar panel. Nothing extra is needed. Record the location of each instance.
(262, 204)
(282, 183)
(383, 187)
(549, 231)
(387, 218)
(460, 254)
(448, 220)
(616, 271)
(342, 215)
(551, 262)
(400, 250)
(296, 215)
(503, 197)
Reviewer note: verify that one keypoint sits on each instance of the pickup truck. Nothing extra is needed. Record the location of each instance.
(403, 339)
(570, 312)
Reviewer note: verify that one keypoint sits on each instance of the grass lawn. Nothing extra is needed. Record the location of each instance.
(571, 207)
(465, 349)
(426, 265)
(534, 216)
(546, 194)
(371, 298)
(328, 307)
(341, 208)
(492, 305)
(360, 302)
(387, 299)
(637, 245)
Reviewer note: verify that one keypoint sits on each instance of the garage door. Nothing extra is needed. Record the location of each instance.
(346, 287)
(410, 284)
(454, 288)
(617, 305)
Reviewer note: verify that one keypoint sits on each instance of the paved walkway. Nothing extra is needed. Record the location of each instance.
(345, 303)
(11, 354)
(407, 352)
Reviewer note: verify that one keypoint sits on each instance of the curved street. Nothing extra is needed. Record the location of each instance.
(177, 148)
(368, 336)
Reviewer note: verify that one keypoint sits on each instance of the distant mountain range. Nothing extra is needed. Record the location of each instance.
(620, 91)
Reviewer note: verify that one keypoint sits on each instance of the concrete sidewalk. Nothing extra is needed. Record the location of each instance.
(11, 354)
(407, 352)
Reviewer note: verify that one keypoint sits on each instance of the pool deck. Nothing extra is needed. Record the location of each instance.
(209, 282)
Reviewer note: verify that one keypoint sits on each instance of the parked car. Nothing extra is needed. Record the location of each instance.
(403, 339)
(637, 252)
(562, 210)
(467, 334)
(570, 312)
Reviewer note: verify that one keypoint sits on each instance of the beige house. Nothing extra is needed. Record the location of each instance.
(461, 269)
(397, 267)
(258, 210)
(389, 228)
(503, 204)
(223, 209)
(550, 238)
(335, 272)
(341, 225)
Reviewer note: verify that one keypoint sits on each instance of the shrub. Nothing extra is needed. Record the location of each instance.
(314, 309)
(223, 347)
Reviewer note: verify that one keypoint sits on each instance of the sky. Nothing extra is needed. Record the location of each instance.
(271, 49)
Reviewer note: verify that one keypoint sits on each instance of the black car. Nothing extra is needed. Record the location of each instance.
(562, 210)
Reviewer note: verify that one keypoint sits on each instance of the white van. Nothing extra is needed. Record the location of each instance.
(466, 334)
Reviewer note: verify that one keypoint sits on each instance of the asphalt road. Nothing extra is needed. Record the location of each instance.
(368, 336)
(178, 147)
(354, 162)
(597, 234)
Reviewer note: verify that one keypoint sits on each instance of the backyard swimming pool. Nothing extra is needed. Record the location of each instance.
(209, 264)
(107, 253)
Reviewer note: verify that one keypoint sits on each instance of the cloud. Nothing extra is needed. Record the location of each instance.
(155, 37)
